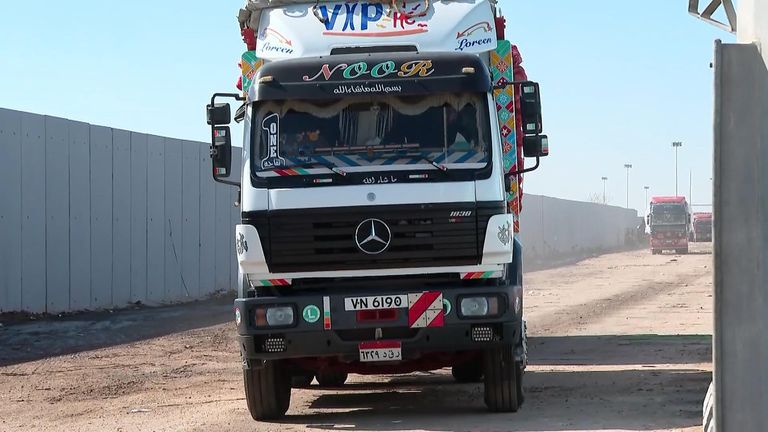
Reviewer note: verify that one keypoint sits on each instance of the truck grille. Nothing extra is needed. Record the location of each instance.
(426, 235)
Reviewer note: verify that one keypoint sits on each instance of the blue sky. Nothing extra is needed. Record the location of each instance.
(619, 82)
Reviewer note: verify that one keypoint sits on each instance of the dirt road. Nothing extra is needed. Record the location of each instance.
(618, 342)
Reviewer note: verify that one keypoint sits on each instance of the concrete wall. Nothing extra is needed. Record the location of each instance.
(741, 237)
(553, 229)
(93, 217)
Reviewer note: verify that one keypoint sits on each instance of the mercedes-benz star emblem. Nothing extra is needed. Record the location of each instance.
(373, 236)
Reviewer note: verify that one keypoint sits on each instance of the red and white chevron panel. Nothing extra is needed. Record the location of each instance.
(426, 310)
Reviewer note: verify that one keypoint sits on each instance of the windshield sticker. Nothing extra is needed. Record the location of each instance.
(357, 89)
(422, 68)
(475, 36)
(273, 41)
(271, 124)
(365, 19)
(380, 180)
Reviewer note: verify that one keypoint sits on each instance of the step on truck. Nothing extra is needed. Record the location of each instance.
(383, 152)
(669, 220)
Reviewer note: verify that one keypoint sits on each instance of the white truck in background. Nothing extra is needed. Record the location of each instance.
(380, 192)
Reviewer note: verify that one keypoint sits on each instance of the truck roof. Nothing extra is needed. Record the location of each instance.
(668, 200)
(300, 28)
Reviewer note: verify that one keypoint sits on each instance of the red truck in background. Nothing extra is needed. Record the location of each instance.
(669, 221)
(701, 227)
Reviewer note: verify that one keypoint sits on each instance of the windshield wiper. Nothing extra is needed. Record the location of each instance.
(440, 167)
(330, 166)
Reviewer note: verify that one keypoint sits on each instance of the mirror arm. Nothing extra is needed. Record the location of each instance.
(226, 182)
(508, 83)
(236, 96)
(525, 170)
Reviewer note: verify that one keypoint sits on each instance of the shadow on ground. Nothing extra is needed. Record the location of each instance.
(641, 349)
(53, 336)
(555, 401)
(644, 382)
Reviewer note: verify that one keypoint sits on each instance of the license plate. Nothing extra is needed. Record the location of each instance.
(381, 351)
(375, 302)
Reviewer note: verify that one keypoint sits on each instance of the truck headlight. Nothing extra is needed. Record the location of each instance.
(474, 306)
(480, 306)
(274, 316)
(280, 316)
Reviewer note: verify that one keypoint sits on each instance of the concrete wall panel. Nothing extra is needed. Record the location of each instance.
(33, 284)
(10, 210)
(175, 289)
(57, 213)
(121, 217)
(138, 217)
(79, 216)
(207, 223)
(155, 219)
(101, 216)
(190, 202)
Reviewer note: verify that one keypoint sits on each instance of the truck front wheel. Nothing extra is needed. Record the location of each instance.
(267, 391)
(503, 380)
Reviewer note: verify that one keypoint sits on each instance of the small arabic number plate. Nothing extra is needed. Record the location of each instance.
(381, 351)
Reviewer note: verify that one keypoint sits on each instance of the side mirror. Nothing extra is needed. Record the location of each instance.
(218, 114)
(221, 151)
(535, 146)
(530, 107)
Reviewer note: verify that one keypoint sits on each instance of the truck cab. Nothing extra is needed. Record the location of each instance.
(383, 151)
(701, 227)
(669, 220)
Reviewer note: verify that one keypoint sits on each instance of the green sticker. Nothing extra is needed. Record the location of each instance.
(447, 306)
(311, 314)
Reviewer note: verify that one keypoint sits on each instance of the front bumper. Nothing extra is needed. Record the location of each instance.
(669, 243)
(342, 339)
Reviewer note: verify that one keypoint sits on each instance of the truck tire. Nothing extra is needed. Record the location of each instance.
(503, 380)
(709, 409)
(331, 378)
(468, 372)
(267, 391)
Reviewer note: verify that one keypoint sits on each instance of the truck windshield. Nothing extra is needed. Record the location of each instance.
(668, 214)
(382, 133)
(703, 224)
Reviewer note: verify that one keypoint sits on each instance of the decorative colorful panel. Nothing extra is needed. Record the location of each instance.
(250, 63)
(502, 72)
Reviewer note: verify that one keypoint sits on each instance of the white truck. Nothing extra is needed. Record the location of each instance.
(382, 156)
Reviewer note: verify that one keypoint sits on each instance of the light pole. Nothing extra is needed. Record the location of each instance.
(676, 145)
(604, 180)
(628, 167)
(690, 188)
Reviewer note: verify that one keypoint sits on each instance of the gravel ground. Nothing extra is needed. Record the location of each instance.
(618, 342)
